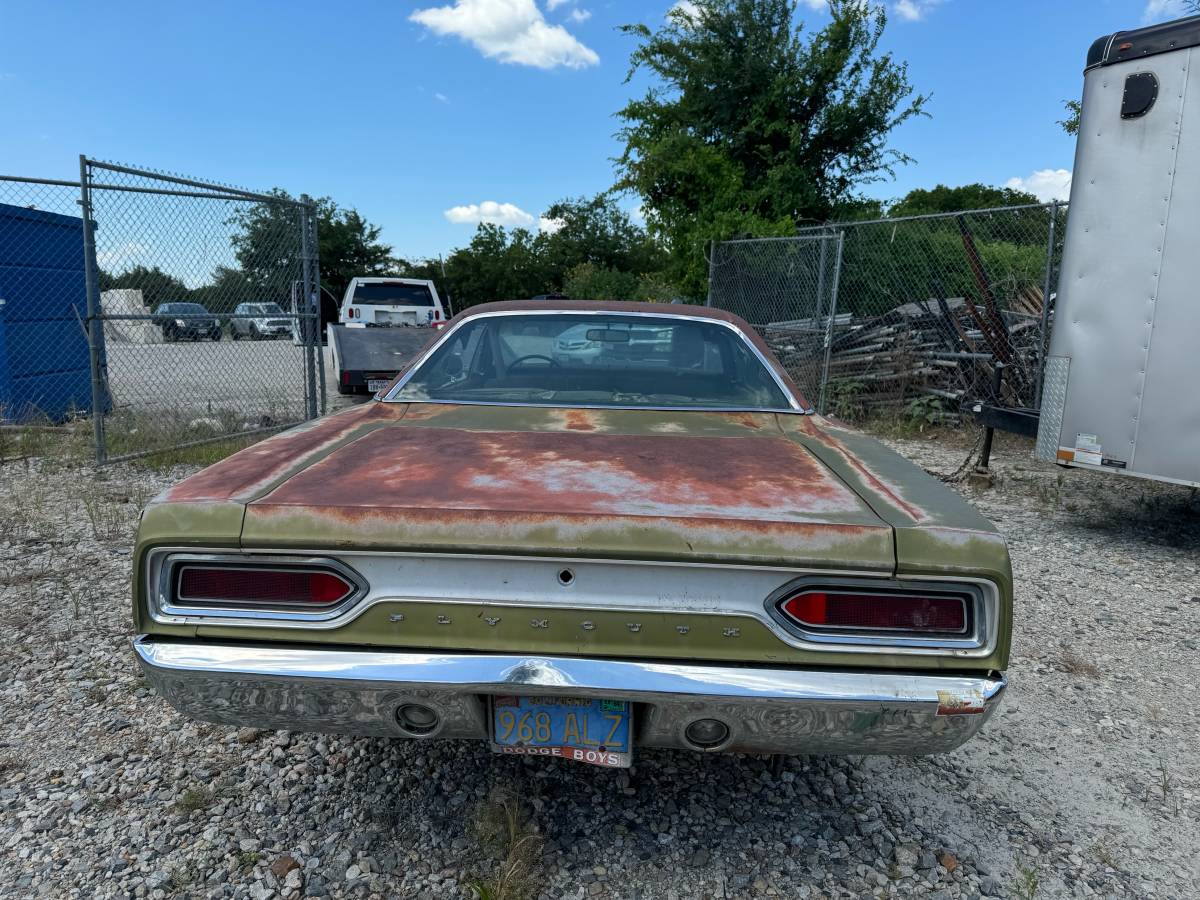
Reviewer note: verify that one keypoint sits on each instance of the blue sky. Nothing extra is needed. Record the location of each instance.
(428, 115)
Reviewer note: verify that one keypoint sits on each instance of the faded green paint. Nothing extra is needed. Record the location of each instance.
(951, 553)
(180, 524)
(813, 546)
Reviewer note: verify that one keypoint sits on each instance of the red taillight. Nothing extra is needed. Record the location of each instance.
(835, 610)
(346, 378)
(240, 585)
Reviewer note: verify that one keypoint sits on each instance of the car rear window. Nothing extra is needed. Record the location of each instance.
(607, 359)
(391, 293)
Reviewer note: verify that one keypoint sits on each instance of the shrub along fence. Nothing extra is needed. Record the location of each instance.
(912, 313)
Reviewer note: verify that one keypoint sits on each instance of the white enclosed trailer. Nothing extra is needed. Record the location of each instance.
(1122, 379)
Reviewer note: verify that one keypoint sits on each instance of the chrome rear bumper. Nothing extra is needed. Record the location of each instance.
(767, 710)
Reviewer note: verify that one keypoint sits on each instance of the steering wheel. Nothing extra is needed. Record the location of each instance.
(520, 359)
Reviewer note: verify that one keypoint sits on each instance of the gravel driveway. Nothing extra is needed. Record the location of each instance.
(1086, 783)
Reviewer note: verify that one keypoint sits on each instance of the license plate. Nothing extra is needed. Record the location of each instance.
(598, 732)
(377, 384)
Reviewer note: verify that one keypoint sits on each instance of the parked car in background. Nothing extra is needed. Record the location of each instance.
(384, 302)
(573, 557)
(186, 321)
(256, 321)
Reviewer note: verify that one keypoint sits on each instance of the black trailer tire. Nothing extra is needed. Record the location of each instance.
(216, 335)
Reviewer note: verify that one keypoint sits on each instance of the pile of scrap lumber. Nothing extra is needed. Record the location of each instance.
(944, 349)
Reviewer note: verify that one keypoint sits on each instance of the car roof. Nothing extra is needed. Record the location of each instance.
(678, 310)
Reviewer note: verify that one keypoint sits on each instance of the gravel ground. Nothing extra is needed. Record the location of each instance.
(1085, 784)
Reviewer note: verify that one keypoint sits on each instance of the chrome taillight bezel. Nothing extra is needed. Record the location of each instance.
(166, 606)
(982, 611)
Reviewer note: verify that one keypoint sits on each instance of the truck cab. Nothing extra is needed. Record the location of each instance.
(388, 302)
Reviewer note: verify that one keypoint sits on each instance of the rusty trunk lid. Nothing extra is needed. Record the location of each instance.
(727, 487)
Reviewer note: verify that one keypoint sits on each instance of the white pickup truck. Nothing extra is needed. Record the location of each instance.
(384, 301)
(382, 322)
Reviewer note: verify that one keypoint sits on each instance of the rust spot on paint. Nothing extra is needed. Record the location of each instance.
(569, 472)
(749, 420)
(237, 477)
(579, 419)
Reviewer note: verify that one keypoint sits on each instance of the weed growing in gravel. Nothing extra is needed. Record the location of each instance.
(1104, 854)
(23, 517)
(504, 831)
(1026, 885)
(1074, 664)
(193, 799)
(181, 877)
(107, 517)
(248, 858)
(1164, 781)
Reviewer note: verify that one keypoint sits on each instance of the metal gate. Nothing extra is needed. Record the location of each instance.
(787, 288)
(169, 311)
(193, 327)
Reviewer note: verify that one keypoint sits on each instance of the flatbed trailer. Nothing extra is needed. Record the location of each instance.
(365, 360)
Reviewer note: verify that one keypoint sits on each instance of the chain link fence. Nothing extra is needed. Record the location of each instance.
(786, 288)
(170, 311)
(920, 312)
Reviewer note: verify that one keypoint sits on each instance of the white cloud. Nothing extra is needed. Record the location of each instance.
(580, 15)
(686, 7)
(1045, 184)
(549, 226)
(913, 10)
(512, 31)
(1162, 10)
(123, 256)
(488, 211)
(555, 4)
(438, 95)
(816, 5)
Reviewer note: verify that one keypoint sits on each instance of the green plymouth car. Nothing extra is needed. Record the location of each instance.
(570, 530)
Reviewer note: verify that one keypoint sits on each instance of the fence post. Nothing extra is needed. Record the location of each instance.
(1041, 348)
(315, 256)
(95, 326)
(833, 303)
(310, 379)
(712, 265)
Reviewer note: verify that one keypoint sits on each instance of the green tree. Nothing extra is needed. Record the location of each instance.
(596, 230)
(588, 281)
(752, 126)
(943, 199)
(349, 246)
(155, 284)
(1071, 123)
(593, 246)
(267, 246)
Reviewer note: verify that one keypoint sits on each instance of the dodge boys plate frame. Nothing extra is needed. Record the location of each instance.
(586, 730)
